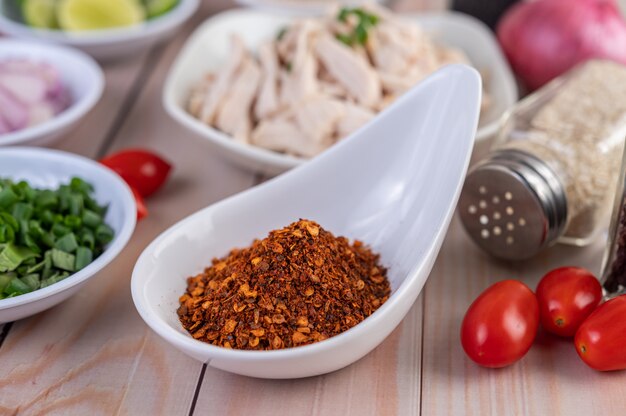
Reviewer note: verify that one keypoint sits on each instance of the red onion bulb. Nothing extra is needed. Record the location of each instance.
(544, 38)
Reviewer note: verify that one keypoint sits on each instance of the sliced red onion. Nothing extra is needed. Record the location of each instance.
(26, 88)
(14, 113)
(4, 126)
(30, 93)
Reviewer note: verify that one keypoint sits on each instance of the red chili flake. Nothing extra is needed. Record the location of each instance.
(299, 285)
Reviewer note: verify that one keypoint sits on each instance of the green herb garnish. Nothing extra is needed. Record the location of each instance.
(360, 33)
(281, 33)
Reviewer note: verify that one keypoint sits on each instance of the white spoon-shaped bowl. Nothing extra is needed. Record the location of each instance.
(393, 184)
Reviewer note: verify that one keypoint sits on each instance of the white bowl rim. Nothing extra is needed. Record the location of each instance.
(115, 246)
(281, 160)
(186, 342)
(295, 6)
(76, 110)
(181, 12)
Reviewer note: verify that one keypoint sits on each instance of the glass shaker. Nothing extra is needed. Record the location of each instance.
(551, 174)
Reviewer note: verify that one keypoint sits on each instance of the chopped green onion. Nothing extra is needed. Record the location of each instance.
(9, 220)
(73, 221)
(46, 199)
(47, 264)
(67, 243)
(57, 277)
(29, 242)
(22, 211)
(60, 230)
(48, 239)
(36, 268)
(91, 219)
(7, 197)
(87, 239)
(84, 257)
(35, 230)
(46, 217)
(79, 185)
(76, 204)
(63, 260)
(12, 256)
(5, 278)
(17, 287)
(32, 280)
(7, 234)
(45, 234)
(104, 234)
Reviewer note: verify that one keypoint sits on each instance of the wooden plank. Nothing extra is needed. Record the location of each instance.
(384, 382)
(96, 127)
(550, 380)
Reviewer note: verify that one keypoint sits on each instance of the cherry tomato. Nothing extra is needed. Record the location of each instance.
(567, 296)
(601, 339)
(142, 170)
(501, 324)
(142, 210)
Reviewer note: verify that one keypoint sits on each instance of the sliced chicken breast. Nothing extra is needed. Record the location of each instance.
(317, 117)
(300, 82)
(353, 118)
(267, 102)
(283, 135)
(234, 114)
(349, 69)
(223, 81)
(198, 95)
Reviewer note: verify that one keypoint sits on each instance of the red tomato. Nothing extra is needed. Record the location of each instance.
(142, 210)
(142, 170)
(567, 296)
(601, 339)
(501, 324)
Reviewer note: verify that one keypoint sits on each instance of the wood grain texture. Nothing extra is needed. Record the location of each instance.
(385, 382)
(122, 79)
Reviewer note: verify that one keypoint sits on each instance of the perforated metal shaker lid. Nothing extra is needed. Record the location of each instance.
(513, 205)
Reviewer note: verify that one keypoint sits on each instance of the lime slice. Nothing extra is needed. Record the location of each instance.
(155, 8)
(40, 13)
(80, 15)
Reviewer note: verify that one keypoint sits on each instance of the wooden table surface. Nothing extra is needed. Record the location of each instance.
(93, 355)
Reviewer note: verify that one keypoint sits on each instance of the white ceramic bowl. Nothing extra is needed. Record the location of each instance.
(45, 168)
(393, 184)
(301, 7)
(208, 48)
(110, 43)
(80, 74)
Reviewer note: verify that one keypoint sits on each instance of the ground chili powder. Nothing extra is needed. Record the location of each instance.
(299, 285)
